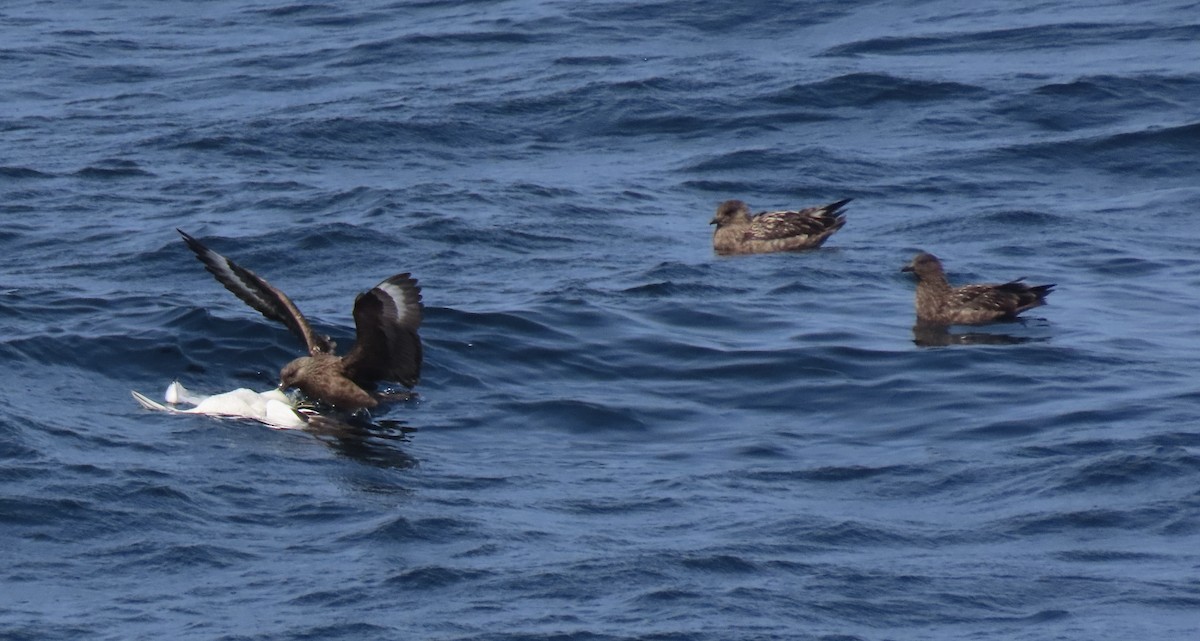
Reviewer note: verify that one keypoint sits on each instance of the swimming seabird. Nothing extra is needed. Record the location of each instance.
(738, 232)
(386, 347)
(940, 304)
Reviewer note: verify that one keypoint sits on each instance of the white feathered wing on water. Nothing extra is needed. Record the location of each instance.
(273, 407)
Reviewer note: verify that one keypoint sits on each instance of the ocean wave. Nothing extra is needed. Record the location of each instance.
(862, 90)
(112, 169)
(1137, 519)
(23, 172)
(578, 416)
(1129, 469)
(436, 577)
(1043, 37)
(400, 529)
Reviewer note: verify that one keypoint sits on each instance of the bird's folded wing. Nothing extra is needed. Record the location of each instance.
(811, 221)
(997, 298)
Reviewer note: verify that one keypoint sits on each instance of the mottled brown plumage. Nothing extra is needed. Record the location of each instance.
(387, 346)
(940, 304)
(738, 232)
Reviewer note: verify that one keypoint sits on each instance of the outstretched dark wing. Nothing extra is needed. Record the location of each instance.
(387, 347)
(1008, 299)
(811, 221)
(259, 294)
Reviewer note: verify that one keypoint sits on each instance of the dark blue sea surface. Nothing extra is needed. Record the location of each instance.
(618, 435)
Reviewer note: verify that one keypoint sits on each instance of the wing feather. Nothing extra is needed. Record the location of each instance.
(259, 294)
(1010, 298)
(387, 345)
(810, 221)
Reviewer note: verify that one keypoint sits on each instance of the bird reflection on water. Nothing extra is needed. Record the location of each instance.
(931, 335)
(356, 437)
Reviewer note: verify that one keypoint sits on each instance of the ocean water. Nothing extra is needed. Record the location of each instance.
(619, 435)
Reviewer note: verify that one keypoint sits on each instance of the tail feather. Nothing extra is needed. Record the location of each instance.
(834, 209)
(1042, 291)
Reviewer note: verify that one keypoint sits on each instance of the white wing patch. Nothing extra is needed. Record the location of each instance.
(405, 302)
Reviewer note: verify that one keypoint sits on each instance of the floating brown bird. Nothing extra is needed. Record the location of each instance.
(386, 347)
(940, 304)
(738, 232)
